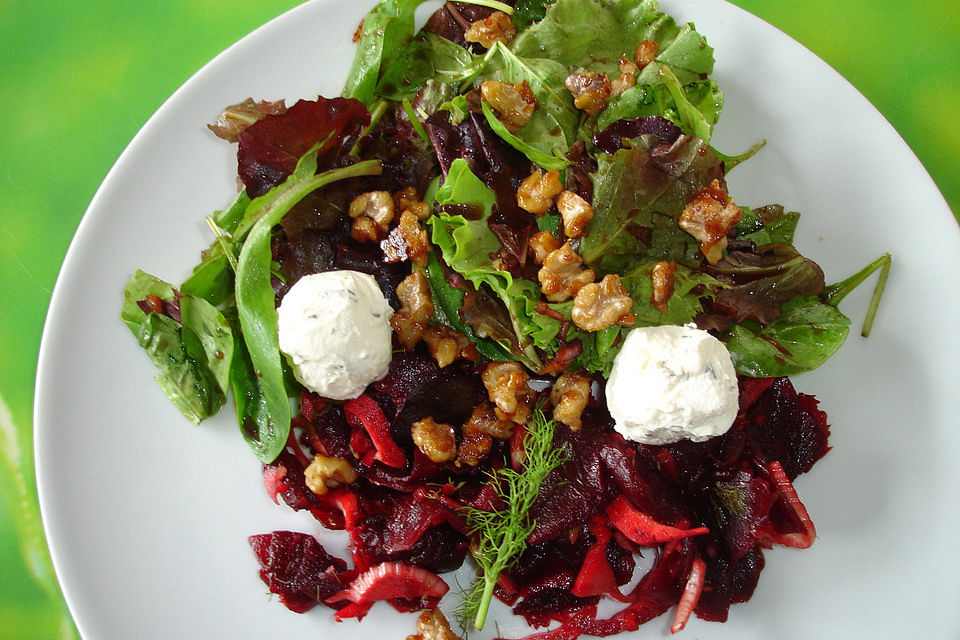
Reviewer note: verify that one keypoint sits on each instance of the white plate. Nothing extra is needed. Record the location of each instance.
(147, 516)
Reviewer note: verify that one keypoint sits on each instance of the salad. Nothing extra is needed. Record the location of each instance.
(495, 305)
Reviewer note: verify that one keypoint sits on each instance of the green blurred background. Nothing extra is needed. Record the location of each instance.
(79, 78)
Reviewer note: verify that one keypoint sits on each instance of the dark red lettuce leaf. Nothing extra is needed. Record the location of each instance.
(611, 139)
(760, 282)
(270, 147)
(453, 19)
(298, 569)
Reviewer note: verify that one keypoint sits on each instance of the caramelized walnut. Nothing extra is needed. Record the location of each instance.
(497, 28)
(602, 304)
(446, 345)
(326, 473)
(561, 276)
(372, 213)
(506, 384)
(589, 90)
(409, 322)
(645, 53)
(569, 395)
(662, 280)
(436, 439)
(575, 211)
(709, 217)
(484, 419)
(433, 625)
(406, 200)
(628, 77)
(514, 103)
(407, 241)
(537, 191)
(542, 244)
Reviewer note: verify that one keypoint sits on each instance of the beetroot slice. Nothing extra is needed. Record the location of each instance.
(793, 513)
(641, 528)
(298, 569)
(596, 576)
(363, 411)
(387, 581)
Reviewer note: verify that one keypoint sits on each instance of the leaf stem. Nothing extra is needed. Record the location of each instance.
(493, 4)
(834, 293)
(489, 582)
(379, 107)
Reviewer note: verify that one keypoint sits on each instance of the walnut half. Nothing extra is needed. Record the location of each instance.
(709, 217)
(436, 439)
(498, 27)
(513, 102)
(602, 304)
(561, 276)
(326, 473)
(569, 395)
(506, 384)
(410, 321)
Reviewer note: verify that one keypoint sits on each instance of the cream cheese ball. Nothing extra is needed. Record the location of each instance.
(335, 326)
(669, 383)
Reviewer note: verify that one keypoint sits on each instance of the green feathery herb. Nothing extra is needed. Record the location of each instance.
(500, 536)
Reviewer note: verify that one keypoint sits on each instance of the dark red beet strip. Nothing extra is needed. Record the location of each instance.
(691, 595)
(368, 413)
(785, 487)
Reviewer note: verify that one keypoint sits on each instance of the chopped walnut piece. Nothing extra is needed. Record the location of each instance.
(645, 53)
(514, 103)
(474, 447)
(446, 345)
(484, 419)
(575, 211)
(372, 213)
(407, 241)
(506, 384)
(496, 28)
(602, 304)
(406, 200)
(433, 625)
(662, 279)
(537, 191)
(709, 217)
(542, 244)
(561, 276)
(628, 77)
(409, 322)
(326, 473)
(569, 395)
(436, 439)
(589, 90)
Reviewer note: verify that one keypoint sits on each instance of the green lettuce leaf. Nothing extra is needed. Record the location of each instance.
(595, 34)
(552, 128)
(427, 57)
(467, 243)
(387, 30)
(193, 356)
(803, 337)
(768, 224)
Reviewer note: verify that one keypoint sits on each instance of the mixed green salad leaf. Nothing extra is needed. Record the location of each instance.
(418, 116)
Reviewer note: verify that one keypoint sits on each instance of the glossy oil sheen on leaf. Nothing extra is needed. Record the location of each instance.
(806, 333)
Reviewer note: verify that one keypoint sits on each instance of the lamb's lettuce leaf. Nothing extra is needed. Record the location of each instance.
(764, 225)
(266, 431)
(427, 57)
(192, 356)
(387, 30)
(805, 334)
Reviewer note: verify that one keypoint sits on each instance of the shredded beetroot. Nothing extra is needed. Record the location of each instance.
(691, 595)
(389, 581)
(705, 510)
(643, 529)
(367, 413)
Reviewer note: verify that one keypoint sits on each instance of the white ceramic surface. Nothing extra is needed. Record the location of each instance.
(147, 516)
